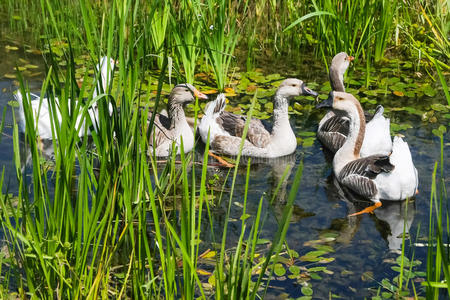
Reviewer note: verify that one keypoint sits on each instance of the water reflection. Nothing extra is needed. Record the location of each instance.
(269, 177)
(399, 215)
(390, 219)
(45, 148)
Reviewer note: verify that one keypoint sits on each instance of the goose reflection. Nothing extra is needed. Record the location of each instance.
(399, 215)
(45, 150)
(269, 176)
(390, 219)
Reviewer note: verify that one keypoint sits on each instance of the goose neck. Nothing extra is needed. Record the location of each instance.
(176, 114)
(103, 81)
(280, 113)
(336, 80)
(357, 128)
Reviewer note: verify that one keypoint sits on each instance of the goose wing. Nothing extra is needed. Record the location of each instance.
(358, 174)
(258, 133)
(160, 131)
(333, 132)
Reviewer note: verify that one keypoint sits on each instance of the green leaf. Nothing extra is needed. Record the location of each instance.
(317, 269)
(323, 248)
(396, 268)
(308, 142)
(429, 91)
(307, 133)
(386, 284)
(279, 270)
(386, 295)
(262, 241)
(293, 253)
(307, 16)
(439, 107)
(294, 270)
(307, 291)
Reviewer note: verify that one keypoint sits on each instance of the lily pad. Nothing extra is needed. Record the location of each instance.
(399, 93)
(439, 107)
(279, 270)
(273, 77)
(307, 291)
(306, 133)
(428, 90)
(294, 270)
(308, 142)
(30, 66)
(398, 127)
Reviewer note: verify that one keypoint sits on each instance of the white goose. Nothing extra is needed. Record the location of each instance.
(171, 128)
(262, 140)
(333, 128)
(377, 176)
(42, 111)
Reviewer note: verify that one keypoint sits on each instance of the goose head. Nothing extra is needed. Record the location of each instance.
(339, 65)
(344, 102)
(293, 87)
(184, 93)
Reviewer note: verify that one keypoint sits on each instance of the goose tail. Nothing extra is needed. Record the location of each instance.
(379, 111)
(212, 111)
(217, 106)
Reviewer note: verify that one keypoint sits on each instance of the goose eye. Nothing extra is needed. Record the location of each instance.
(293, 84)
(340, 98)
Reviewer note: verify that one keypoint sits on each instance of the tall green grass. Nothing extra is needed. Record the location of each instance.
(194, 30)
(187, 33)
(106, 220)
(438, 256)
(220, 34)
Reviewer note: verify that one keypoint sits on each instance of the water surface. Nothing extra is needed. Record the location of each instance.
(365, 246)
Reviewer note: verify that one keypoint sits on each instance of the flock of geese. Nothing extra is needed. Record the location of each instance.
(366, 159)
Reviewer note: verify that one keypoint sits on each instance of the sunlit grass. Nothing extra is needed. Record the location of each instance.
(106, 220)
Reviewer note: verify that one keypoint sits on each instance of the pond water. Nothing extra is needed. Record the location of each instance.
(364, 248)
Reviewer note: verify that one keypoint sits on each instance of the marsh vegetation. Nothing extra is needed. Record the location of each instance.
(99, 218)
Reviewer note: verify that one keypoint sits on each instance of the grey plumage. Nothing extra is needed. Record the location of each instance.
(358, 175)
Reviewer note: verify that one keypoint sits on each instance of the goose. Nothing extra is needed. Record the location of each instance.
(225, 129)
(42, 111)
(333, 128)
(378, 176)
(171, 128)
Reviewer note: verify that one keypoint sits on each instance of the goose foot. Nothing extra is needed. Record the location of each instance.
(223, 162)
(366, 210)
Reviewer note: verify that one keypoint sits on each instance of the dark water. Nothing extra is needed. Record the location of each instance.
(365, 246)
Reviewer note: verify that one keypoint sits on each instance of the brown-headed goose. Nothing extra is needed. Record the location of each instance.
(42, 111)
(333, 128)
(377, 176)
(262, 140)
(174, 127)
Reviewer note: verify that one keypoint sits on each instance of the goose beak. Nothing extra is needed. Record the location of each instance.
(351, 58)
(200, 95)
(307, 91)
(328, 102)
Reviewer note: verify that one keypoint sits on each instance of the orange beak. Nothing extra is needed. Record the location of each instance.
(351, 58)
(200, 95)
